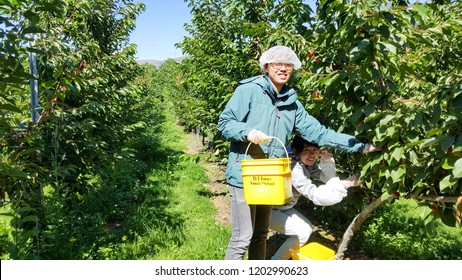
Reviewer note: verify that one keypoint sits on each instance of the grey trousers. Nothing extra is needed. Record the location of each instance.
(250, 226)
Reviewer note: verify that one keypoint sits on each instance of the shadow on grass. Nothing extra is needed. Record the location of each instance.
(210, 194)
(150, 225)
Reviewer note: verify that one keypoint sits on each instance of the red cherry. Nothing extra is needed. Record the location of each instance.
(310, 55)
(434, 207)
(317, 60)
(396, 195)
(317, 96)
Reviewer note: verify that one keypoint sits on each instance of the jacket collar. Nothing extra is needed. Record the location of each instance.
(286, 96)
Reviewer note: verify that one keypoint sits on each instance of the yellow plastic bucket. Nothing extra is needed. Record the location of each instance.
(313, 251)
(267, 181)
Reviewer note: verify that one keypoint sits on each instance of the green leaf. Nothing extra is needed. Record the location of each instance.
(10, 107)
(398, 175)
(446, 183)
(384, 31)
(434, 131)
(30, 218)
(424, 211)
(391, 131)
(457, 171)
(448, 218)
(7, 214)
(413, 157)
(57, 72)
(427, 142)
(363, 44)
(28, 234)
(13, 172)
(422, 9)
(385, 196)
(389, 46)
(32, 29)
(397, 153)
(386, 120)
(332, 80)
(446, 142)
(49, 83)
(356, 115)
(26, 208)
(449, 162)
(458, 143)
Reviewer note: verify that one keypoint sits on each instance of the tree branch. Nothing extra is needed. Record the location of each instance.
(356, 224)
(436, 198)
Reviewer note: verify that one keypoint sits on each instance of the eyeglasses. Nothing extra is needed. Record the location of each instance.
(278, 65)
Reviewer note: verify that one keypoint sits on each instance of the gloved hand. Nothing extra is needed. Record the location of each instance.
(368, 148)
(257, 137)
(325, 154)
(351, 181)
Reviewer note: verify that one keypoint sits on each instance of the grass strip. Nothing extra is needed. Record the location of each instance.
(176, 221)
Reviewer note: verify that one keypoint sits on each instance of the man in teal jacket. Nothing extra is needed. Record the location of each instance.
(261, 106)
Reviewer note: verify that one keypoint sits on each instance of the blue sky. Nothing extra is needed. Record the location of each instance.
(161, 26)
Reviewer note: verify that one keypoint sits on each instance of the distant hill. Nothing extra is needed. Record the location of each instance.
(157, 63)
(150, 61)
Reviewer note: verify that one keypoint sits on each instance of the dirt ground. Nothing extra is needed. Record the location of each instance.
(220, 198)
(216, 175)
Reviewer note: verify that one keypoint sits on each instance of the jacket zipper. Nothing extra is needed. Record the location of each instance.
(270, 148)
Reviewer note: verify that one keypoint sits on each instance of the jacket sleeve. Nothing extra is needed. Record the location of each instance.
(312, 130)
(325, 195)
(231, 122)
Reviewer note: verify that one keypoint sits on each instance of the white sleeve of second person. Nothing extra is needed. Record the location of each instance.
(325, 195)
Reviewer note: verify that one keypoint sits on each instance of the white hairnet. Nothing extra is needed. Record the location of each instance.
(280, 54)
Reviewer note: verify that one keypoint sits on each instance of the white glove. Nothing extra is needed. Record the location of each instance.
(351, 181)
(257, 137)
(325, 155)
(368, 148)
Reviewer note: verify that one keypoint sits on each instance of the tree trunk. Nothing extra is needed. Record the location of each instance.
(356, 224)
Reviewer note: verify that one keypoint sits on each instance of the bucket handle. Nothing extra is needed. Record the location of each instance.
(270, 137)
(298, 254)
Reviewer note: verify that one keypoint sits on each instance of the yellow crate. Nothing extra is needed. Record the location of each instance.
(313, 251)
(267, 181)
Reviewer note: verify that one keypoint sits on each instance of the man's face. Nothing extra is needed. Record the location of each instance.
(279, 73)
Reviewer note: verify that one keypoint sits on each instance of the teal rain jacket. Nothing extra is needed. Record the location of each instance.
(255, 104)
